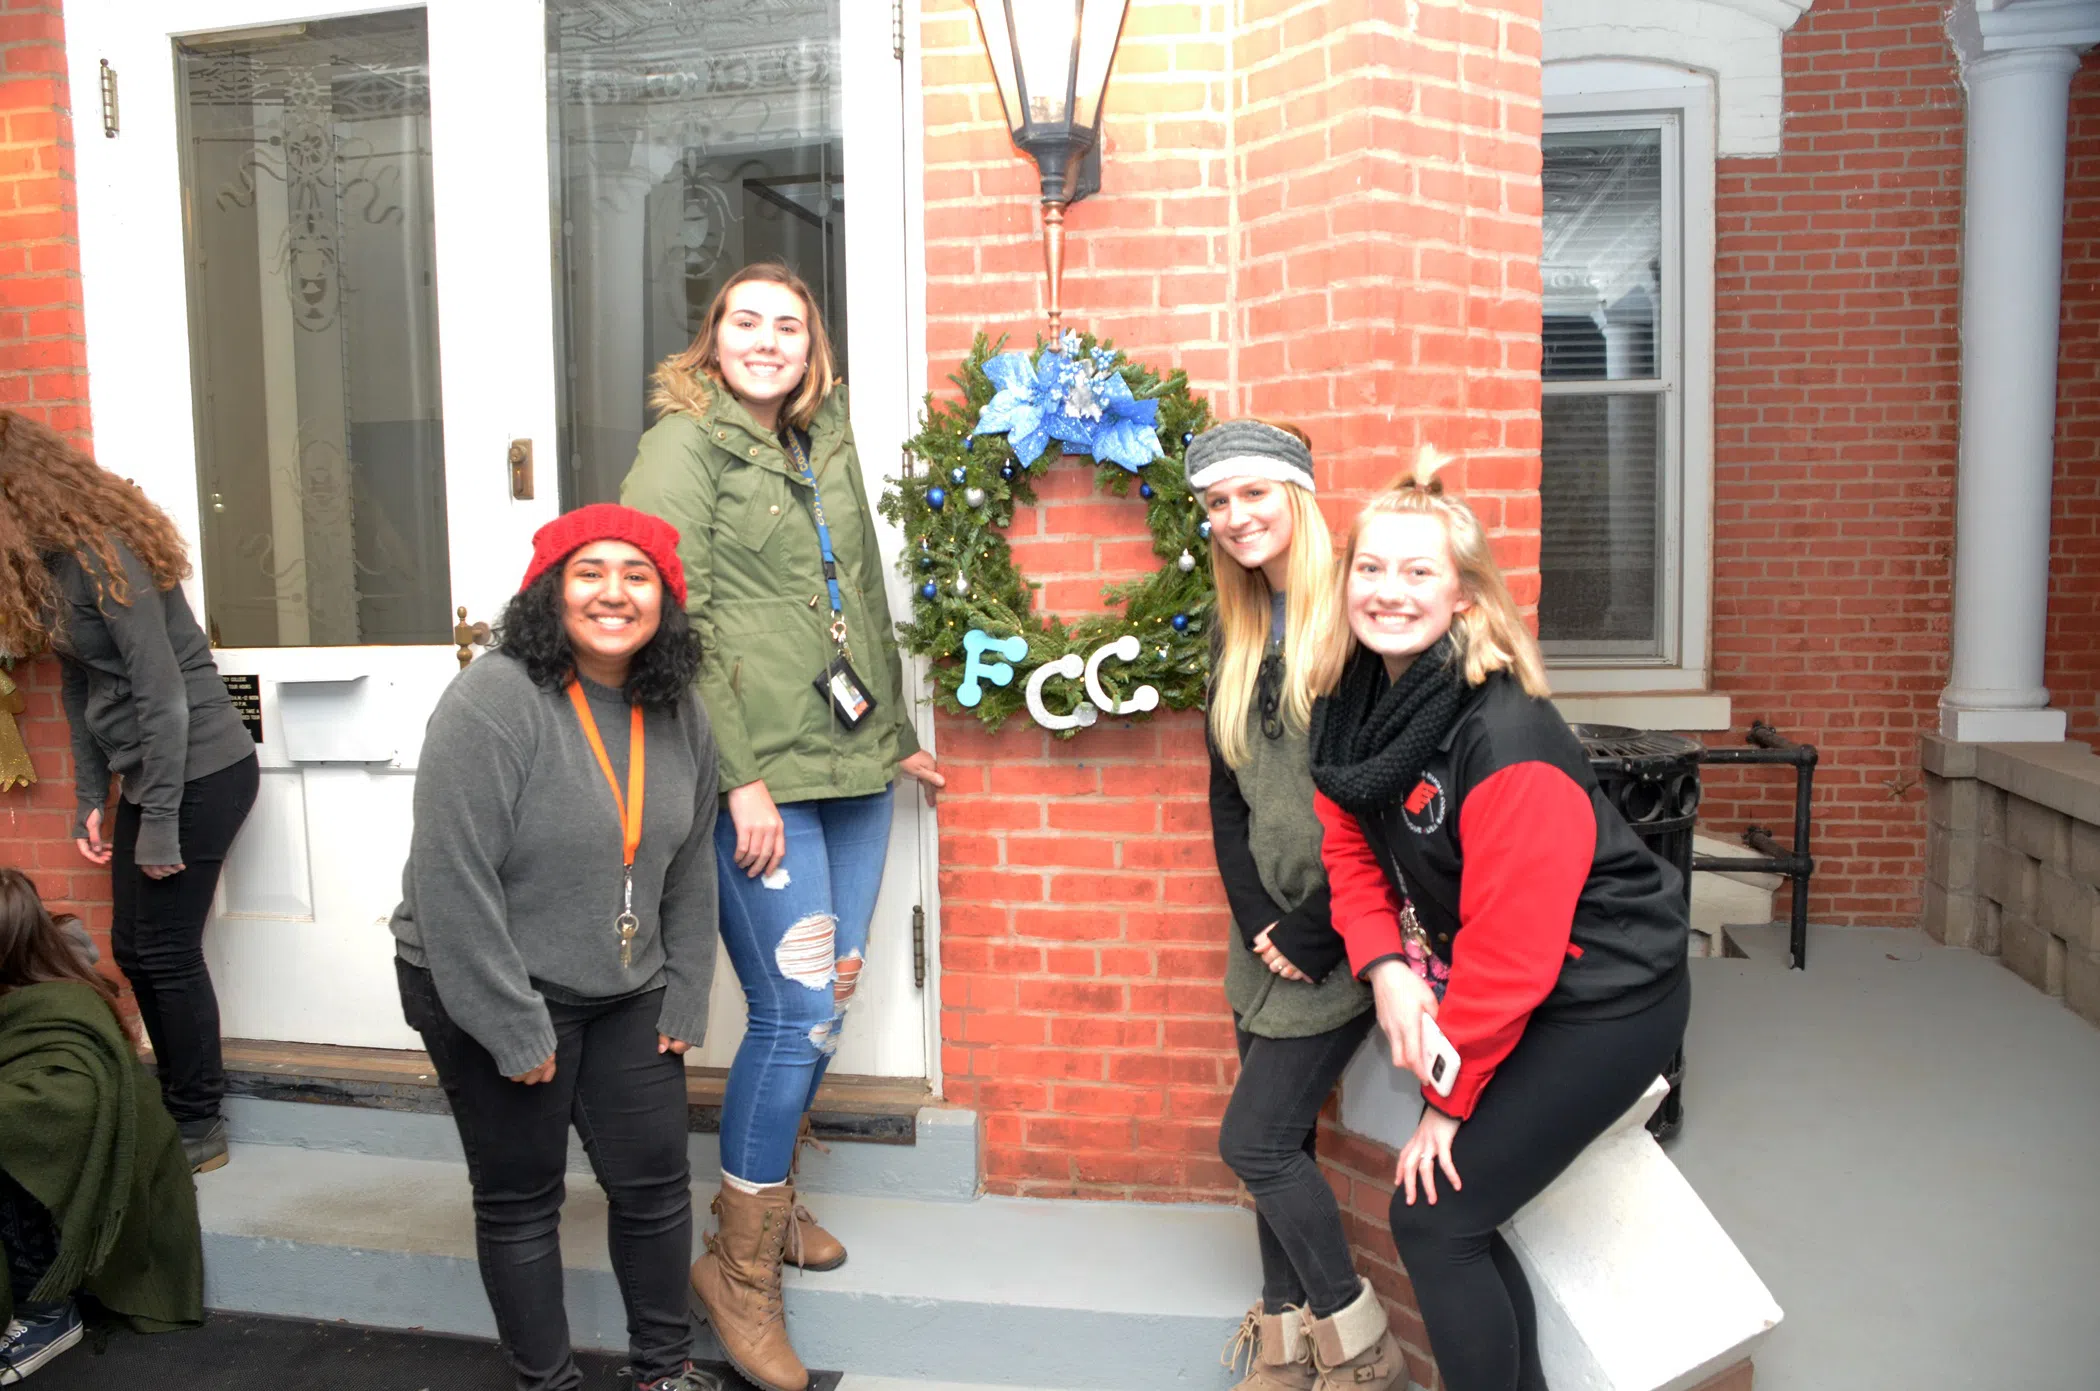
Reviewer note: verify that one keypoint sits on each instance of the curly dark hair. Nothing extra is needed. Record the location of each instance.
(531, 630)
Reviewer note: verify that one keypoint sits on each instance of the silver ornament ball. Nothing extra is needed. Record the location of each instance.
(962, 584)
(1186, 562)
(974, 496)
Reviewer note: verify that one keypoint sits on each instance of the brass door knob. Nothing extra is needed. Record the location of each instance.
(469, 636)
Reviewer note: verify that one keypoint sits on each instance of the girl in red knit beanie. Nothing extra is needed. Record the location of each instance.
(556, 934)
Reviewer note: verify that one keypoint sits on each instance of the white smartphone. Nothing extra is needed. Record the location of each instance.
(1441, 1057)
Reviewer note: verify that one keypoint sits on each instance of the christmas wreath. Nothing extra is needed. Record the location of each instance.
(974, 614)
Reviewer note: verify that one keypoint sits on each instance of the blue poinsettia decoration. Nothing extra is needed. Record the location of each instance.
(1081, 401)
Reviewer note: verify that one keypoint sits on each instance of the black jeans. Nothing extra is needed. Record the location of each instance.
(1268, 1138)
(1564, 1082)
(627, 1102)
(157, 936)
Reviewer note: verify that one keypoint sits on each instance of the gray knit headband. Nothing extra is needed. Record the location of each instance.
(1247, 449)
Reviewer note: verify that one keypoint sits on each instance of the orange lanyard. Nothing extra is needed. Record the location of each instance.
(628, 806)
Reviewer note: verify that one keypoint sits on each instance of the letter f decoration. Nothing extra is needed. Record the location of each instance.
(976, 670)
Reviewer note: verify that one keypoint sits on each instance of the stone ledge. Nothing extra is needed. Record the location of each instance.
(2064, 777)
(1637, 1285)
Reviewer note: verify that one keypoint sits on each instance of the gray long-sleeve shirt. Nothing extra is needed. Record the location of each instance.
(514, 867)
(142, 696)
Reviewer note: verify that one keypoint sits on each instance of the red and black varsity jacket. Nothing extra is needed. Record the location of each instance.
(1527, 880)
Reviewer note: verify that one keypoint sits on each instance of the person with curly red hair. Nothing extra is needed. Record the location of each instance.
(91, 570)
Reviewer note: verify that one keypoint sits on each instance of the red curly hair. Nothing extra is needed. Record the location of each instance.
(54, 498)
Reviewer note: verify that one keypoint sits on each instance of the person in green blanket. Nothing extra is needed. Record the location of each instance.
(96, 1197)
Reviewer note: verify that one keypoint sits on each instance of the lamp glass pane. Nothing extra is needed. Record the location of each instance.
(1100, 24)
(1043, 35)
(999, 45)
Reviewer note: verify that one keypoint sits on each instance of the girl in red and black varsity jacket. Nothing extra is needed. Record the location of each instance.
(1479, 877)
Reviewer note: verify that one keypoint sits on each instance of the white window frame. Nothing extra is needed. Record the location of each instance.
(1594, 95)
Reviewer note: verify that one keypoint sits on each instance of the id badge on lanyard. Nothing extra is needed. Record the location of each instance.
(849, 698)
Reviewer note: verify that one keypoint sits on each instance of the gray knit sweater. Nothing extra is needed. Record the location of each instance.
(514, 866)
(142, 696)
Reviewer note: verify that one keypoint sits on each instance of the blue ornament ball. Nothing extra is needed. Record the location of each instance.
(1188, 439)
(1181, 622)
(958, 473)
(929, 590)
(1145, 491)
(1202, 528)
(937, 498)
(925, 562)
(1006, 471)
(970, 443)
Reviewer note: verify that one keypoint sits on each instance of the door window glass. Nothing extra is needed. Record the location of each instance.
(313, 331)
(688, 141)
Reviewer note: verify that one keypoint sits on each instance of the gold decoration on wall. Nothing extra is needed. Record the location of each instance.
(15, 768)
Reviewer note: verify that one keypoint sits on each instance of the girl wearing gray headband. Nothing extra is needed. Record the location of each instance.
(1298, 1013)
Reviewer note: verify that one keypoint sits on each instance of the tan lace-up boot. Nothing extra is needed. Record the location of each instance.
(809, 1245)
(1277, 1354)
(1354, 1349)
(738, 1285)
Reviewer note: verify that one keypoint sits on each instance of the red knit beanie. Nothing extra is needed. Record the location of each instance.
(608, 521)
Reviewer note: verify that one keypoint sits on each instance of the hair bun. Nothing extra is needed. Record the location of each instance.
(1423, 473)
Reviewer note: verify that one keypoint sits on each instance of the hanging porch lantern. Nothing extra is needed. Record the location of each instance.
(1051, 58)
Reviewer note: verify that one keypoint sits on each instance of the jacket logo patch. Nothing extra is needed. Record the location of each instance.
(1425, 806)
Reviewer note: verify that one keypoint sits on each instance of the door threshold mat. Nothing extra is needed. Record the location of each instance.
(877, 1110)
(245, 1352)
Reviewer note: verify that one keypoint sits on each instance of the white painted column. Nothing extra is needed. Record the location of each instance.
(2012, 275)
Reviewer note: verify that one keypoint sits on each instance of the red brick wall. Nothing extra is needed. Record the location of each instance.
(43, 373)
(1325, 217)
(2074, 567)
(1836, 392)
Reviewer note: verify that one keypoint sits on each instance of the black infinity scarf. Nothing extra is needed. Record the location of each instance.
(1370, 739)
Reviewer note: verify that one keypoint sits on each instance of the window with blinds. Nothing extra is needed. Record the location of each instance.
(1610, 486)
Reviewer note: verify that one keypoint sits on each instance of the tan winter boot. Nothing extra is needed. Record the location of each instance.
(1354, 1349)
(738, 1285)
(809, 1245)
(1278, 1356)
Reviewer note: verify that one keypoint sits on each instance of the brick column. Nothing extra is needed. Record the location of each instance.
(43, 373)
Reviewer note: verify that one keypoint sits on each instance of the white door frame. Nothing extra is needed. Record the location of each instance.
(494, 246)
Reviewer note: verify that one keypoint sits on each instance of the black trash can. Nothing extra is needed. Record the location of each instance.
(1652, 777)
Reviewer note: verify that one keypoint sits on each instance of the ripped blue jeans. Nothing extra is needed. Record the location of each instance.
(797, 939)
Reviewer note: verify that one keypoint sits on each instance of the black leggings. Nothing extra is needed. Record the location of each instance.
(627, 1102)
(1564, 1082)
(157, 935)
(1268, 1138)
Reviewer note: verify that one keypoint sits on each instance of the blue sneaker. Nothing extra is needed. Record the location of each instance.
(38, 1333)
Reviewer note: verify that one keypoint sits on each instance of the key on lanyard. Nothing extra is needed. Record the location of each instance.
(628, 806)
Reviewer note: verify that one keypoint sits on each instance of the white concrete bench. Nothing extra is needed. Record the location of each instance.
(1638, 1288)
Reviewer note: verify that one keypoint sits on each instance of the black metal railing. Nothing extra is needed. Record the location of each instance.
(1768, 745)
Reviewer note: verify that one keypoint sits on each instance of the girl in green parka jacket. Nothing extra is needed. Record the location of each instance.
(753, 462)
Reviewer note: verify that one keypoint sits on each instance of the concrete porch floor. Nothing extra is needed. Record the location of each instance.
(1904, 1140)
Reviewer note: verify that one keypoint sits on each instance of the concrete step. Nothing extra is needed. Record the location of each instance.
(1722, 900)
(998, 1291)
(938, 1165)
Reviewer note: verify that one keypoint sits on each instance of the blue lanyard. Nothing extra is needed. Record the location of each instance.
(816, 505)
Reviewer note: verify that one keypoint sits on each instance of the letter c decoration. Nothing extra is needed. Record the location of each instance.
(1067, 666)
(1123, 649)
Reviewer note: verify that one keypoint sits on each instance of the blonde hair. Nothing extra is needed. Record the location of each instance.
(679, 383)
(1490, 635)
(1243, 625)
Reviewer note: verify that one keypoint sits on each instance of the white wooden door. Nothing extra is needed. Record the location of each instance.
(336, 261)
